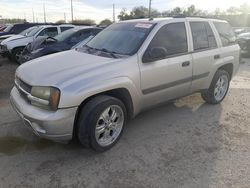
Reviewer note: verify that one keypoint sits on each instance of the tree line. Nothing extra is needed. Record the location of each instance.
(237, 16)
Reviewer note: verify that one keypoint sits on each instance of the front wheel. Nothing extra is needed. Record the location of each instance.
(16, 55)
(101, 123)
(218, 88)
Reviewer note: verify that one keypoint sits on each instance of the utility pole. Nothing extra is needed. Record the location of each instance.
(149, 9)
(44, 14)
(64, 17)
(24, 17)
(72, 16)
(113, 12)
(33, 15)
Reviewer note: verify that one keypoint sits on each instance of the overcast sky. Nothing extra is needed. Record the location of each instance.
(97, 9)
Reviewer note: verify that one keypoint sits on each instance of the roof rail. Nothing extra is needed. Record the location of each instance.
(185, 16)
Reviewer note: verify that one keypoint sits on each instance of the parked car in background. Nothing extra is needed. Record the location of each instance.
(244, 42)
(2, 27)
(82, 43)
(90, 92)
(23, 33)
(61, 42)
(13, 46)
(16, 28)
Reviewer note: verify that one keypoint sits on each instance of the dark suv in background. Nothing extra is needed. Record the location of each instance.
(17, 28)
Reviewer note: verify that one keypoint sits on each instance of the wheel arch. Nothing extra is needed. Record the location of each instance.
(229, 67)
(122, 94)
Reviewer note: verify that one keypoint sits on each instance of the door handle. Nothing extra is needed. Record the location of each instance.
(217, 56)
(186, 63)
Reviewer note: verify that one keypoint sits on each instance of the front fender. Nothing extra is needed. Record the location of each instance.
(75, 96)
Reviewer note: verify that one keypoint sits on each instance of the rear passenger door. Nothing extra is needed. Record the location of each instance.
(205, 53)
(230, 50)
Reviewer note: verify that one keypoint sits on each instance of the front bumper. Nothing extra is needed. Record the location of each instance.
(53, 125)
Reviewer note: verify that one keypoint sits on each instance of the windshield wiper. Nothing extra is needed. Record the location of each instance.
(113, 54)
(90, 48)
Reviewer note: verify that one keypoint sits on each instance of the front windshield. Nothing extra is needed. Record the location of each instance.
(8, 28)
(33, 31)
(121, 38)
(26, 31)
(64, 35)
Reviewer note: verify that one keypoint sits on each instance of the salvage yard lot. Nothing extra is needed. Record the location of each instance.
(187, 143)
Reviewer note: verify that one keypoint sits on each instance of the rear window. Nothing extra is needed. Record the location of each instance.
(65, 28)
(226, 33)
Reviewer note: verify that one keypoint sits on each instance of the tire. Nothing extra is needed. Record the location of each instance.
(16, 53)
(209, 95)
(90, 118)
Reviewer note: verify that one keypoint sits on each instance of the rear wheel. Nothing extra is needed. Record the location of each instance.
(16, 54)
(101, 123)
(218, 88)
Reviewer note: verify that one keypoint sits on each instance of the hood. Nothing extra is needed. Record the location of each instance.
(4, 33)
(15, 37)
(6, 36)
(61, 68)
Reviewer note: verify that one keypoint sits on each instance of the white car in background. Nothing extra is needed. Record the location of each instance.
(13, 46)
(24, 33)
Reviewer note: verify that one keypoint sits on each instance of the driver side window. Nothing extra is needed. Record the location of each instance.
(172, 38)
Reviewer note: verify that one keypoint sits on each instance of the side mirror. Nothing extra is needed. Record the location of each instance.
(154, 54)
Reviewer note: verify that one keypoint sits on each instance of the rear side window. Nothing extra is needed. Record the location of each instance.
(203, 36)
(172, 37)
(226, 33)
(65, 28)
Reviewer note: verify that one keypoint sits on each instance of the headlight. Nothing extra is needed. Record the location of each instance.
(45, 97)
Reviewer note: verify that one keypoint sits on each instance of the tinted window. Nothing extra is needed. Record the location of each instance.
(50, 32)
(203, 37)
(65, 28)
(96, 31)
(172, 37)
(226, 33)
(19, 28)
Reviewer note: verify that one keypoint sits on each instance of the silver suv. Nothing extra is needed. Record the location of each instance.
(90, 92)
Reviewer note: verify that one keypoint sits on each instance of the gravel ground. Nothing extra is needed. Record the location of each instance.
(183, 144)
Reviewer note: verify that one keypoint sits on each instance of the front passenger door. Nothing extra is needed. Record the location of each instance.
(169, 77)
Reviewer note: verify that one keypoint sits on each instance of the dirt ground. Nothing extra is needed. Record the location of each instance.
(183, 144)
